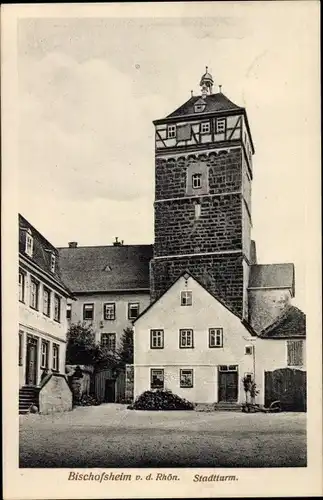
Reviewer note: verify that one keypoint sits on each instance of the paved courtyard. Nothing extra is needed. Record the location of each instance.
(112, 436)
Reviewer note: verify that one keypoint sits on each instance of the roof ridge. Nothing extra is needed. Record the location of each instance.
(277, 321)
(106, 246)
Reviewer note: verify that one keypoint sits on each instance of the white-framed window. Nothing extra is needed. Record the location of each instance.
(44, 354)
(171, 131)
(22, 280)
(57, 308)
(46, 301)
(108, 340)
(29, 244)
(295, 353)
(186, 298)
(55, 357)
(205, 128)
(88, 312)
(109, 311)
(52, 262)
(196, 181)
(220, 125)
(68, 311)
(186, 338)
(228, 368)
(133, 310)
(156, 378)
(157, 339)
(216, 337)
(248, 350)
(34, 293)
(186, 378)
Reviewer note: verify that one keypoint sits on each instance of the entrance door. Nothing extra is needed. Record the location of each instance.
(110, 391)
(31, 361)
(228, 383)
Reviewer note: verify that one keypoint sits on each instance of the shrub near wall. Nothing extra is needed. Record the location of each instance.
(160, 400)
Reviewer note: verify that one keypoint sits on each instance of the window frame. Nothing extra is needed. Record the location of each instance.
(113, 304)
(199, 108)
(197, 176)
(34, 281)
(29, 245)
(183, 386)
(57, 299)
(55, 359)
(171, 129)
(154, 331)
(131, 305)
(216, 330)
(45, 354)
(68, 312)
(182, 296)
(108, 336)
(208, 131)
(22, 286)
(52, 262)
(152, 370)
(181, 333)
(88, 307)
(289, 343)
(48, 291)
(219, 121)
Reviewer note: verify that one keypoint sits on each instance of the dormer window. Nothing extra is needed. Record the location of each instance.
(29, 244)
(196, 181)
(220, 125)
(52, 262)
(205, 128)
(200, 106)
(171, 131)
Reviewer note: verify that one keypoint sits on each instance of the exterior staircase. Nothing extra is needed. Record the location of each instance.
(28, 396)
(223, 406)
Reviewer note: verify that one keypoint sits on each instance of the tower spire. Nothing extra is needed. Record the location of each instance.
(206, 83)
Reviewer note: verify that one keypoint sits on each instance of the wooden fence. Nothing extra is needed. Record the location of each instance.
(288, 386)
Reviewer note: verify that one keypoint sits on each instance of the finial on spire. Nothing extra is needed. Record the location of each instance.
(220, 89)
(191, 93)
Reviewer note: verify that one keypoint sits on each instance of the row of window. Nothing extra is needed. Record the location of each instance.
(205, 128)
(186, 338)
(44, 354)
(34, 297)
(29, 250)
(109, 311)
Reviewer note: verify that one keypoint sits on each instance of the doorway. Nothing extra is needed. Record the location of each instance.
(228, 383)
(110, 391)
(31, 361)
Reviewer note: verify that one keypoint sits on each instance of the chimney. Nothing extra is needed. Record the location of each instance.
(117, 243)
(72, 244)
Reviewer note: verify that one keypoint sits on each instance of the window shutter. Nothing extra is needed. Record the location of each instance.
(295, 353)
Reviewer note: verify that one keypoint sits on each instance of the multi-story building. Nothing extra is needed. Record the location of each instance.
(111, 287)
(42, 314)
(216, 314)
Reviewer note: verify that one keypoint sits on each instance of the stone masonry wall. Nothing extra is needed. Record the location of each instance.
(55, 395)
(222, 275)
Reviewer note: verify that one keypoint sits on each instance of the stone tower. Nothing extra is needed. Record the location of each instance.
(203, 175)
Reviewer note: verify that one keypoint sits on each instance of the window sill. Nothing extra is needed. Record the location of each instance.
(34, 308)
(57, 320)
(215, 346)
(47, 315)
(22, 301)
(156, 348)
(186, 347)
(186, 386)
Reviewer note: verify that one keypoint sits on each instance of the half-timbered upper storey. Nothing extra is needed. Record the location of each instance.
(204, 122)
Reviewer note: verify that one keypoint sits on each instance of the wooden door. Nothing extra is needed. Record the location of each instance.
(110, 391)
(228, 386)
(31, 361)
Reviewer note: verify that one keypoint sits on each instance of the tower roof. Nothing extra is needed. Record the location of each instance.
(214, 103)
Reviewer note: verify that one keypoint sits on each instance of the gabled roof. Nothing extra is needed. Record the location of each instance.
(42, 250)
(272, 276)
(187, 272)
(214, 103)
(291, 323)
(106, 268)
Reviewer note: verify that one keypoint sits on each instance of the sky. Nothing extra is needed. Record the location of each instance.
(90, 87)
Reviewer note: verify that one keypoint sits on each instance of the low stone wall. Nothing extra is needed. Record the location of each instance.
(55, 394)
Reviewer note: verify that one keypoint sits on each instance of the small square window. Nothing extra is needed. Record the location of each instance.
(157, 339)
(186, 298)
(198, 108)
(108, 340)
(186, 378)
(248, 350)
(88, 312)
(29, 244)
(220, 125)
(156, 379)
(196, 181)
(133, 310)
(215, 337)
(205, 128)
(171, 131)
(186, 339)
(110, 311)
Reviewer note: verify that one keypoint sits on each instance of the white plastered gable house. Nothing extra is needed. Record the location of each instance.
(189, 342)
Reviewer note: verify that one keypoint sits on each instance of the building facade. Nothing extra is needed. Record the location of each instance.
(42, 312)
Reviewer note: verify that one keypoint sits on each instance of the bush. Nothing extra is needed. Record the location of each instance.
(160, 400)
(87, 400)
